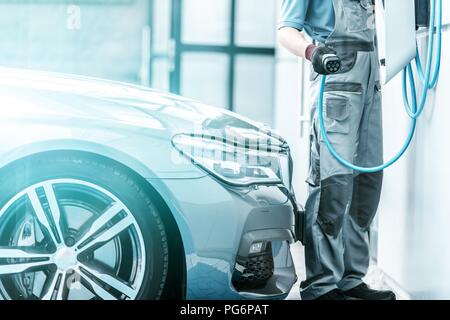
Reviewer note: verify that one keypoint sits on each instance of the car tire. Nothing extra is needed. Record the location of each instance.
(105, 178)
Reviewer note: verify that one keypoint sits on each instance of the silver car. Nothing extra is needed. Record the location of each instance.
(114, 191)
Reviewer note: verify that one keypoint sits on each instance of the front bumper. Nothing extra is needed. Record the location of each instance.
(265, 274)
(222, 224)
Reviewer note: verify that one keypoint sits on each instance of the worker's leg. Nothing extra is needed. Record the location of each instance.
(331, 184)
(366, 190)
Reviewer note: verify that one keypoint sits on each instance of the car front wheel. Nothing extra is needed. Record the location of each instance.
(75, 228)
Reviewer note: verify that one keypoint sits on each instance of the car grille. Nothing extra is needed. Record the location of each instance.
(253, 271)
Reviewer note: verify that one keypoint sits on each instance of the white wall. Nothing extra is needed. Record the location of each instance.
(291, 116)
(291, 112)
(414, 217)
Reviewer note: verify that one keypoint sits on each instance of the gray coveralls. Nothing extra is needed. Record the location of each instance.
(342, 204)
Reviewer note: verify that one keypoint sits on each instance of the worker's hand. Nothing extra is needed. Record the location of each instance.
(324, 59)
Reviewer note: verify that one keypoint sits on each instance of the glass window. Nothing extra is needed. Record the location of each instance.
(103, 40)
(206, 22)
(204, 77)
(254, 87)
(256, 23)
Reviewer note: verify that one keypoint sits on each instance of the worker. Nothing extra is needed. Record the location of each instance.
(341, 203)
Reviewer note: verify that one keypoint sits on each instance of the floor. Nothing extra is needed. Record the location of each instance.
(376, 279)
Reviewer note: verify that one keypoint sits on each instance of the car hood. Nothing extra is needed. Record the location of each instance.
(76, 100)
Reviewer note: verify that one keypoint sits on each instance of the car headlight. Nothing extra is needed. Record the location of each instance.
(240, 163)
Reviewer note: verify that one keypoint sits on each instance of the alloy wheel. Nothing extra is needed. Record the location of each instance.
(69, 239)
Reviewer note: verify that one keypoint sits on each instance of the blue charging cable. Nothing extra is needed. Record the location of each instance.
(412, 109)
(429, 82)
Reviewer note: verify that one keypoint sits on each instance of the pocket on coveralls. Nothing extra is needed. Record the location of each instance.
(340, 99)
(337, 111)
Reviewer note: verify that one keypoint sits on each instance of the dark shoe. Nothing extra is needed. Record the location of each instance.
(363, 292)
(335, 294)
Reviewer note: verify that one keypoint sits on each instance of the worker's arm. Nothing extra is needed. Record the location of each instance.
(296, 43)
